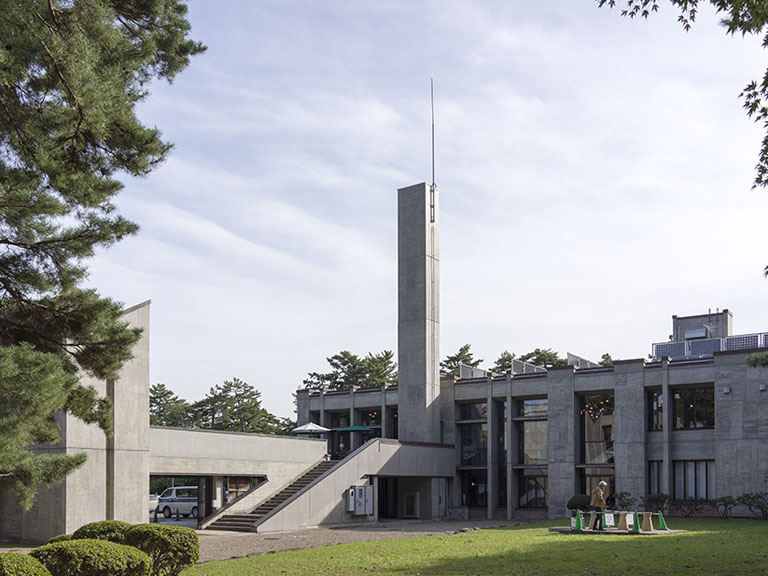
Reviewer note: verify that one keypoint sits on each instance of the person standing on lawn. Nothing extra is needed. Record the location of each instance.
(597, 503)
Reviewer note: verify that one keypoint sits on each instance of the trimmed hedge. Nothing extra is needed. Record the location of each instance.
(579, 502)
(14, 564)
(112, 530)
(92, 558)
(60, 538)
(171, 548)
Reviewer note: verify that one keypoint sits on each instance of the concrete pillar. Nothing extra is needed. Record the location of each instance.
(418, 313)
(630, 429)
(511, 449)
(562, 440)
(668, 421)
(491, 486)
(383, 412)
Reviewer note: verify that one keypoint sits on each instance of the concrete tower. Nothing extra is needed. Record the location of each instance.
(418, 328)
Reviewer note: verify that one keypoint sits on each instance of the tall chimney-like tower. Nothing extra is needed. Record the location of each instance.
(418, 328)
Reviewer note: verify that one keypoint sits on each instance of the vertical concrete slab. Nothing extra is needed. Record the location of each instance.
(418, 313)
(562, 439)
(630, 428)
(128, 449)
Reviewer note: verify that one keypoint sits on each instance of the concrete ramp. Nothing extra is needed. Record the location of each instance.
(322, 502)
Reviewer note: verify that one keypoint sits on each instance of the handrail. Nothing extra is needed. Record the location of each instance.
(208, 520)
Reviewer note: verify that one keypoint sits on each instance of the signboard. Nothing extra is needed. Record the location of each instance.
(609, 520)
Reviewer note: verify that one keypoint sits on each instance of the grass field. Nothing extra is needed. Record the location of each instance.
(710, 546)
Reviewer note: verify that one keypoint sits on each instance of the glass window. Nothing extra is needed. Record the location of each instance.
(694, 407)
(694, 479)
(655, 411)
(532, 407)
(597, 428)
(501, 427)
(532, 488)
(532, 437)
(591, 477)
(654, 477)
(369, 417)
(474, 444)
(502, 479)
(339, 419)
(474, 484)
(473, 411)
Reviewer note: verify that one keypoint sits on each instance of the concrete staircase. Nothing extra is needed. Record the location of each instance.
(246, 522)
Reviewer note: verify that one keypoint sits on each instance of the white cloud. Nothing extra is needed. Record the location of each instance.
(595, 176)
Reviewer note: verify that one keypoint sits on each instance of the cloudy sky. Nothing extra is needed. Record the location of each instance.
(595, 178)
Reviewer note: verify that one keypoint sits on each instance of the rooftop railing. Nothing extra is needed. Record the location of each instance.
(706, 348)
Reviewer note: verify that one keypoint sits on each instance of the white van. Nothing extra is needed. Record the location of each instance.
(181, 498)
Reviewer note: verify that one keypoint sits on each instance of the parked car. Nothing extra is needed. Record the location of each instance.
(178, 498)
(152, 503)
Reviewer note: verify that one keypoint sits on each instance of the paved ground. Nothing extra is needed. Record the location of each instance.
(220, 545)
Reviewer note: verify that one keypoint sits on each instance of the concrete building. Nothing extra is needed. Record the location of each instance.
(691, 422)
(691, 425)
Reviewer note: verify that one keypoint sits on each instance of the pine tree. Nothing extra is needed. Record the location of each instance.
(71, 74)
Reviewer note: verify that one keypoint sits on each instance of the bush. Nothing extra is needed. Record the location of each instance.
(724, 505)
(13, 564)
(689, 506)
(60, 538)
(625, 501)
(579, 502)
(112, 530)
(757, 502)
(93, 558)
(656, 502)
(171, 548)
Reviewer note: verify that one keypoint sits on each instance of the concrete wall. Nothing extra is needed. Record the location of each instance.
(114, 481)
(418, 332)
(323, 502)
(184, 452)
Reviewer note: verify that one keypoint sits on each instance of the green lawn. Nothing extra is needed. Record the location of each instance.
(710, 546)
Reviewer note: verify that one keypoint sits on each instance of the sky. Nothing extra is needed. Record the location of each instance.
(595, 177)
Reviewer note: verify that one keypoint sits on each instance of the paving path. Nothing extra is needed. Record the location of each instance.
(220, 545)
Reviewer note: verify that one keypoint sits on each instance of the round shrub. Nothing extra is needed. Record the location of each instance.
(93, 558)
(13, 564)
(171, 548)
(578, 502)
(112, 530)
(60, 538)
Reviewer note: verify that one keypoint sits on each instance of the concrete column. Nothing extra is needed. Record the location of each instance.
(491, 486)
(354, 437)
(629, 427)
(384, 411)
(511, 449)
(418, 313)
(562, 439)
(668, 419)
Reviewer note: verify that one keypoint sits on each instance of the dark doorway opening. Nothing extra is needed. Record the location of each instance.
(388, 498)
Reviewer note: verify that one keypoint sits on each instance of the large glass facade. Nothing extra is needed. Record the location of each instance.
(694, 407)
(532, 407)
(655, 410)
(532, 436)
(532, 488)
(654, 476)
(474, 484)
(477, 411)
(597, 428)
(592, 476)
(474, 444)
(694, 479)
